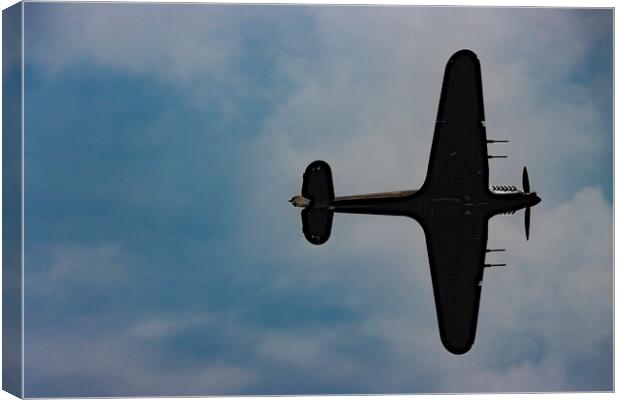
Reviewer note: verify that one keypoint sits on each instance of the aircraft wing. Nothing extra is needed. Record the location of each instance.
(456, 245)
(458, 162)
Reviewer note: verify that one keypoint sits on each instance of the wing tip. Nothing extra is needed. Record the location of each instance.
(456, 341)
(458, 350)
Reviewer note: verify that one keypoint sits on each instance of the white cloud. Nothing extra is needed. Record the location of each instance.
(541, 319)
(176, 44)
(122, 364)
(110, 351)
(63, 267)
(367, 106)
(365, 101)
(166, 325)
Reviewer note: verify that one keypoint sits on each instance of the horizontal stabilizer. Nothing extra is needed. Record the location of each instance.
(318, 185)
(318, 188)
(317, 224)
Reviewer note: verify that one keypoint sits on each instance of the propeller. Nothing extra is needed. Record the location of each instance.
(527, 223)
(526, 189)
(526, 181)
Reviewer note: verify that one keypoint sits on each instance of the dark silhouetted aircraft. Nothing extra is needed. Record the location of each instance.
(453, 205)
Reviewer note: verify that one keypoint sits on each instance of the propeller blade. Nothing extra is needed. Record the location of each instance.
(526, 181)
(527, 223)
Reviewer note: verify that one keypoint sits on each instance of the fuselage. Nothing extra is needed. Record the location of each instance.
(413, 203)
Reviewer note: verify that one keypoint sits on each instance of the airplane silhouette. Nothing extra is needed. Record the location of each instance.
(453, 206)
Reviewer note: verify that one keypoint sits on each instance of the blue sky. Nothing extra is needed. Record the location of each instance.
(162, 142)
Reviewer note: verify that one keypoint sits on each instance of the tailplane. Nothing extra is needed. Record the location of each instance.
(317, 224)
(318, 185)
(318, 189)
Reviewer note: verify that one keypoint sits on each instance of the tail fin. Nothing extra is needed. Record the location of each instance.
(318, 187)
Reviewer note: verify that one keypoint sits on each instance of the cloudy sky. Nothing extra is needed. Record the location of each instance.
(163, 142)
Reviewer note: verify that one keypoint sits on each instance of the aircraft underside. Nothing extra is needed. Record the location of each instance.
(453, 206)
